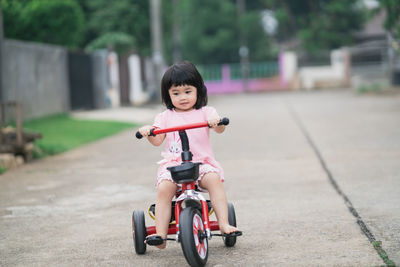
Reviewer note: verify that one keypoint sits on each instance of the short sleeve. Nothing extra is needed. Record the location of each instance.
(159, 121)
(210, 112)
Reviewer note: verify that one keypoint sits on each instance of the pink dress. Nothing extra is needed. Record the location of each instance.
(199, 142)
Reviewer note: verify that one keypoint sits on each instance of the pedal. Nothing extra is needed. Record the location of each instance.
(233, 234)
(154, 240)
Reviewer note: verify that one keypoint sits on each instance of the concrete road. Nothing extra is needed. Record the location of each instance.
(290, 159)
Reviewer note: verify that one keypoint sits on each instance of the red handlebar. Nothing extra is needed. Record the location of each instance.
(224, 121)
(180, 128)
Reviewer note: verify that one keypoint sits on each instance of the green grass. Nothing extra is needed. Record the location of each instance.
(61, 132)
(373, 87)
(378, 246)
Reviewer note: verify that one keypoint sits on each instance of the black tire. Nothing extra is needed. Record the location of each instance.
(139, 231)
(231, 241)
(195, 248)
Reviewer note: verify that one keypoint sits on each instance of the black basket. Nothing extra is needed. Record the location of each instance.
(185, 173)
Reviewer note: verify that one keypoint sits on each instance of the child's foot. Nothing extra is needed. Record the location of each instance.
(162, 246)
(227, 229)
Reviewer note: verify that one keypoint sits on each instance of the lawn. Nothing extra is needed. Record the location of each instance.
(61, 132)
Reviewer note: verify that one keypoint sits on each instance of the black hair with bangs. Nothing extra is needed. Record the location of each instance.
(183, 73)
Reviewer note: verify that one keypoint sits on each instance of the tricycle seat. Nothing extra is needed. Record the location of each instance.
(187, 172)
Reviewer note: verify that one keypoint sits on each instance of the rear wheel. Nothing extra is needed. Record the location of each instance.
(193, 237)
(139, 231)
(231, 241)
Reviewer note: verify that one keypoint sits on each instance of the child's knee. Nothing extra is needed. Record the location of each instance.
(166, 189)
(210, 179)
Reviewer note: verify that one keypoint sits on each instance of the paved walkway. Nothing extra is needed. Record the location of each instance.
(291, 160)
(140, 115)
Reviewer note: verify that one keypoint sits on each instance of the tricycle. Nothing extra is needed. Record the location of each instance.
(190, 221)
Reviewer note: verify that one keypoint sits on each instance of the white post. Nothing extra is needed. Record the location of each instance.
(289, 66)
(156, 41)
(113, 72)
(136, 94)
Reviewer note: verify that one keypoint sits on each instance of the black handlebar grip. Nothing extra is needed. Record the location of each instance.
(224, 121)
(139, 135)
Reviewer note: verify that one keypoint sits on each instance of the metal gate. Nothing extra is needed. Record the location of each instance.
(80, 81)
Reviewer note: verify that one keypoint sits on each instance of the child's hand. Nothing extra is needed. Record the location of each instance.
(145, 130)
(154, 140)
(213, 121)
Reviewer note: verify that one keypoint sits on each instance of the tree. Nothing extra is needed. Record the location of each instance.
(331, 24)
(319, 24)
(57, 22)
(210, 32)
(392, 22)
(122, 23)
(118, 41)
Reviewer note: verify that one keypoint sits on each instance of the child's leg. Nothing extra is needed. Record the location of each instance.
(213, 184)
(165, 192)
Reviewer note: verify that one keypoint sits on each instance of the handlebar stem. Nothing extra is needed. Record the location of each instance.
(186, 154)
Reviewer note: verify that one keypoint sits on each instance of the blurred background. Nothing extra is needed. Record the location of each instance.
(74, 54)
(58, 56)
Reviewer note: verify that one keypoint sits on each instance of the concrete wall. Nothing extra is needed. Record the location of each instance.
(37, 76)
(337, 74)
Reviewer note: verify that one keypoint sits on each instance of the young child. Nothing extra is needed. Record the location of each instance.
(185, 96)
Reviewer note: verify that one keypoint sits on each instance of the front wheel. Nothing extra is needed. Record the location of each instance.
(193, 238)
(139, 231)
(231, 241)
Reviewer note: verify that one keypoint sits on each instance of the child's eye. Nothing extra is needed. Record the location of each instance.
(188, 92)
(175, 93)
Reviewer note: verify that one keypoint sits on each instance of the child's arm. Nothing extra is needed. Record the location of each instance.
(213, 122)
(154, 140)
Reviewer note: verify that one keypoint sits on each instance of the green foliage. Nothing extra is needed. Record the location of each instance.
(392, 22)
(378, 247)
(320, 25)
(117, 41)
(372, 88)
(210, 32)
(12, 18)
(61, 132)
(259, 43)
(332, 27)
(58, 22)
(209, 29)
(2, 170)
(122, 23)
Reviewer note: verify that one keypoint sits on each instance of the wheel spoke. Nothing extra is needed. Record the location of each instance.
(193, 243)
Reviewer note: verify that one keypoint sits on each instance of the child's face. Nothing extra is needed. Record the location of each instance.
(183, 97)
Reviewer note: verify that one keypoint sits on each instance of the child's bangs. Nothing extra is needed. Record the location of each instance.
(181, 77)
